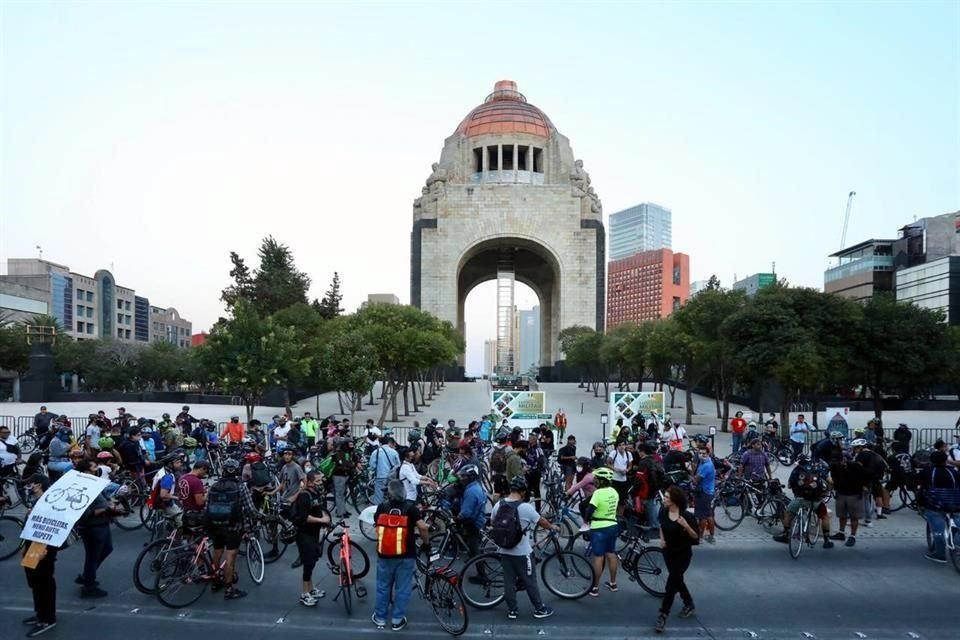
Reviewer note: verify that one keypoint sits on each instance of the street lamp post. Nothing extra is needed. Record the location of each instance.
(603, 423)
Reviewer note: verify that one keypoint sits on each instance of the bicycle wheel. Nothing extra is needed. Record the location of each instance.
(146, 565)
(181, 581)
(10, 541)
(346, 587)
(130, 499)
(569, 530)
(785, 456)
(255, 562)
(797, 534)
(28, 444)
(270, 536)
(443, 550)
(567, 575)
(954, 551)
(369, 530)
(448, 605)
(482, 582)
(929, 538)
(729, 510)
(650, 571)
(813, 528)
(359, 560)
(908, 498)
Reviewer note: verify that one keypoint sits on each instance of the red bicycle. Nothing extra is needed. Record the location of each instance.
(348, 562)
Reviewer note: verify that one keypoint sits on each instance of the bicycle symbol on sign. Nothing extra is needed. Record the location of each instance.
(74, 497)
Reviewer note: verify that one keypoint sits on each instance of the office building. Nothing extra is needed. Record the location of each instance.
(91, 307)
(489, 357)
(647, 286)
(754, 283)
(645, 227)
(697, 286)
(862, 270)
(380, 298)
(529, 336)
(932, 285)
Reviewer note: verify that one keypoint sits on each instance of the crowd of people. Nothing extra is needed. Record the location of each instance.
(490, 477)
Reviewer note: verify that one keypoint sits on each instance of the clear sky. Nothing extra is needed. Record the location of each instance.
(157, 137)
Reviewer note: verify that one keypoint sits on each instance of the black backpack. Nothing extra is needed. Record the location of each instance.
(506, 530)
(223, 503)
(260, 475)
(498, 461)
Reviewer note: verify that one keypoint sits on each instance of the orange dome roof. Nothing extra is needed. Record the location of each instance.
(506, 110)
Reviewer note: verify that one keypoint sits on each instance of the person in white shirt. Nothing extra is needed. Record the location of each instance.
(280, 434)
(9, 449)
(409, 476)
(620, 463)
(92, 434)
(673, 434)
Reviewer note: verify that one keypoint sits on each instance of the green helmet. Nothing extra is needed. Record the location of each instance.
(190, 443)
(603, 473)
(106, 442)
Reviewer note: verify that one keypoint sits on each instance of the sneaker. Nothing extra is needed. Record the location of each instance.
(839, 537)
(377, 622)
(867, 523)
(80, 581)
(399, 626)
(296, 564)
(687, 611)
(880, 516)
(234, 594)
(513, 614)
(661, 623)
(93, 592)
(827, 544)
(934, 558)
(32, 620)
(543, 612)
(782, 537)
(851, 541)
(217, 585)
(711, 539)
(317, 594)
(41, 628)
(308, 600)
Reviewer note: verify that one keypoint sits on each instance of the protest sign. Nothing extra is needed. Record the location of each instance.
(60, 506)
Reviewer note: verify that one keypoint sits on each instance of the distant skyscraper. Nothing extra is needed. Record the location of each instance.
(489, 356)
(644, 227)
(529, 340)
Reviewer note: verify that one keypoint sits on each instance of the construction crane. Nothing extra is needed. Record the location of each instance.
(846, 219)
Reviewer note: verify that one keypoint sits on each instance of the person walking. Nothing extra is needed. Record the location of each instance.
(706, 483)
(738, 426)
(678, 535)
(309, 515)
(798, 435)
(398, 522)
(602, 514)
(41, 578)
(848, 481)
(94, 530)
(512, 519)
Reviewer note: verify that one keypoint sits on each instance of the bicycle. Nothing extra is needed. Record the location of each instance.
(151, 557)
(951, 536)
(644, 564)
(763, 500)
(447, 544)
(10, 541)
(805, 529)
(566, 574)
(186, 570)
(440, 587)
(343, 567)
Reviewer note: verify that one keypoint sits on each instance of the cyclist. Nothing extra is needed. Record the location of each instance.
(382, 462)
(939, 498)
(649, 473)
(228, 504)
(602, 514)
(755, 463)
(261, 482)
(344, 466)
(399, 520)
(567, 457)
(192, 492)
(472, 517)
(874, 468)
(410, 477)
(165, 484)
(827, 447)
(810, 485)
(536, 463)
(94, 530)
(59, 450)
(310, 516)
(42, 426)
(848, 480)
(585, 486)
(131, 453)
(233, 433)
(511, 519)
(9, 453)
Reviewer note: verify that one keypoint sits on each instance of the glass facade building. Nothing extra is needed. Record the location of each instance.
(932, 285)
(645, 227)
(61, 294)
(141, 321)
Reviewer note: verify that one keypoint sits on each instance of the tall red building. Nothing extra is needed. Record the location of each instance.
(646, 286)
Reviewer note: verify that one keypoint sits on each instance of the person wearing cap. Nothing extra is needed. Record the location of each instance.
(234, 432)
(41, 579)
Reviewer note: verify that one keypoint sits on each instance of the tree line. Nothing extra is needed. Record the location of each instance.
(812, 344)
(272, 336)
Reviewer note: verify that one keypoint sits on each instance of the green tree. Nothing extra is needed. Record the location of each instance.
(242, 287)
(14, 350)
(277, 284)
(349, 365)
(329, 306)
(248, 353)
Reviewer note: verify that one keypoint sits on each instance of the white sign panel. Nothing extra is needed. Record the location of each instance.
(59, 508)
(627, 404)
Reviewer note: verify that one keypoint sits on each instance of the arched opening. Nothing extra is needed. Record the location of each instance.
(537, 275)
(480, 314)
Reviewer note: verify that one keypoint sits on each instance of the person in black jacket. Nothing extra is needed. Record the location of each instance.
(678, 534)
(938, 495)
(310, 517)
(94, 530)
(41, 579)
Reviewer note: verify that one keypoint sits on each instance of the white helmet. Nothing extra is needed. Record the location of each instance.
(859, 442)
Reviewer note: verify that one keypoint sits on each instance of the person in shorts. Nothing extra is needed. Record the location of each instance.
(808, 481)
(706, 482)
(848, 481)
(602, 514)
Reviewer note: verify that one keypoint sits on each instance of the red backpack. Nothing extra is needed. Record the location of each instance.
(393, 532)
